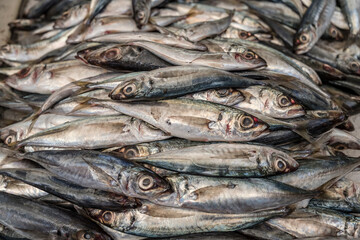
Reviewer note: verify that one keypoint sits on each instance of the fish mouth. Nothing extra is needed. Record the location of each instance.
(296, 112)
(116, 94)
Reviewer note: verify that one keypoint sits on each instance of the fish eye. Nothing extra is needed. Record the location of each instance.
(24, 72)
(340, 147)
(249, 55)
(304, 38)
(129, 89)
(107, 217)
(280, 165)
(247, 122)
(146, 182)
(243, 35)
(111, 53)
(354, 66)
(131, 152)
(84, 235)
(284, 101)
(222, 92)
(10, 139)
(140, 15)
(66, 14)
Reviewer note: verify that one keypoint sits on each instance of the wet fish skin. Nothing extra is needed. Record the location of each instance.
(162, 38)
(118, 130)
(141, 11)
(85, 197)
(352, 11)
(101, 171)
(226, 195)
(180, 118)
(47, 78)
(207, 29)
(96, 7)
(317, 222)
(39, 8)
(320, 170)
(151, 220)
(265, 100)
(177, 81)
(146, 149)
(72, 17)
(16, 187)
(230, 61)
(314, 23)
(223, 160)
(121, 57)
(41, 221)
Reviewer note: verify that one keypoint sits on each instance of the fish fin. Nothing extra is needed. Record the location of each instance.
(163, 30)
(110, 149)
(184, 120)
(101, 174)
(304, 134)
(55, 129)
(193, 12)
(12, 153)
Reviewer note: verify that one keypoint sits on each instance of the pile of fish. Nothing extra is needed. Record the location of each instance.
(181, 120)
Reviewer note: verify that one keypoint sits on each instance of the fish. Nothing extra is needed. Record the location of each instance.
(37, 9)
(242, 60)
(181, 118)
(313, 173)
(36, 51)
(47, 78)
(176, 81)
(163, 38)
(146, 149)
(36, 220)
(351, 11)
(18, 188)
(85, 197)
(141, 11)
(342, 196)
(151, 220)
(116, 131)
(20, 130)
(72, 17)
(223, 160)
(317, 222)
(96, 170)
(229, 195)
(261, 99)
(200, 31)
(314, 23)
(121, 57)
(96, 6)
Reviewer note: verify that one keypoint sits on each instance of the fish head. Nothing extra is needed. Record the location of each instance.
(141, 13)
(335, 33)
(333, 71)
(249, 126)
(225, 96)
(352, 65)
(133, 88)
(280, 105)
(282, 162)
(135, 151)
(103, 216)
(90, 235)
(303, 39)
(9, 136)
(337, 142)
(71, 16)
(26, 76)
(142, 183)
(249, 57)
(9, 51)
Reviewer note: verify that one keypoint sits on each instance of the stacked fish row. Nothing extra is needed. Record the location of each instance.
(169, 119)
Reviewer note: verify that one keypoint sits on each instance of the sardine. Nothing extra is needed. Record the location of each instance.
(151, 220)
(314, 23)
(230, 160)
(231, 61)
(85, 197)
(36, 220)
(116, 131)
(101, 171)
(194, 120)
